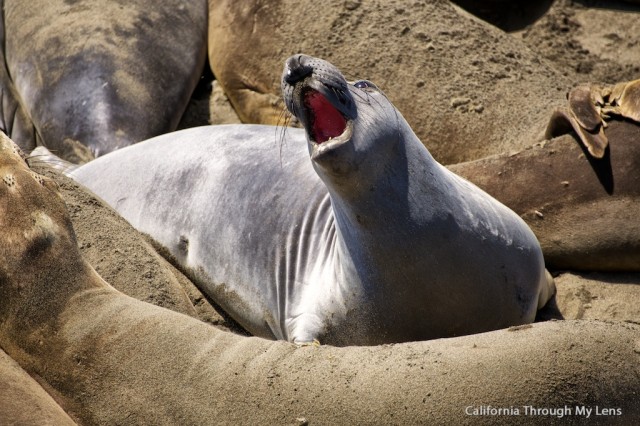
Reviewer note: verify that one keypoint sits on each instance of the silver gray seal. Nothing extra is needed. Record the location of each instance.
(347, 231)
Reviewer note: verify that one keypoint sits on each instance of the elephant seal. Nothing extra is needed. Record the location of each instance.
(582, 209)
(66, 327)
(371, 242)
(95, 76)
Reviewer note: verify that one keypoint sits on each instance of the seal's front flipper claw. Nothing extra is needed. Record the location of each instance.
(314, 342)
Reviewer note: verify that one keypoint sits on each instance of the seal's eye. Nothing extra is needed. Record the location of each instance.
(365, 84)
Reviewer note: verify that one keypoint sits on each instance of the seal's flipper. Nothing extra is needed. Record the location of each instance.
(583, 108)
(596, 143)
(630, 101)
(42, 156)
(547, 291)
(560, 123)
(563, 121)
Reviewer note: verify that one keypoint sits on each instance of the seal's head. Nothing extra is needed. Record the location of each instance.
(35, 228)
(346, 124)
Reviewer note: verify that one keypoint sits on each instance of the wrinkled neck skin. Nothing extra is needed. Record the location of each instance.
(367, 206)
(378, 178)
(381, 188)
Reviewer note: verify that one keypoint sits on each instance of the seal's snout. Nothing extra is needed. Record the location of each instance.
(316, 92)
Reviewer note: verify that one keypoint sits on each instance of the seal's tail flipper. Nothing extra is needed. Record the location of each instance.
(563, 121)
(547, 291)
(584, 117)
(590, 106)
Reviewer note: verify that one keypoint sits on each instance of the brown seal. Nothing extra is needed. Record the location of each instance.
(111, 359)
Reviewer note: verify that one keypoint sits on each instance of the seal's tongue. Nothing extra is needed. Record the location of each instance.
(326, 121)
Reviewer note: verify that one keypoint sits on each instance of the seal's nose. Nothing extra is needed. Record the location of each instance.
(304, 73)
(296, 70)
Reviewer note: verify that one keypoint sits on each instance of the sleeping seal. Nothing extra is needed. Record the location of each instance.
(89, 77)
(346, 231)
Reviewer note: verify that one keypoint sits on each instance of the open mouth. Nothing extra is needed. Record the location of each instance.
(324, 121)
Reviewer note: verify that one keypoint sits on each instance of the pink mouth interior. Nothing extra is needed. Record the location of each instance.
(326, 121)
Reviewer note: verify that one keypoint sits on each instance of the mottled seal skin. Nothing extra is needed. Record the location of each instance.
(583, 210)
(111, 359)
(103, 75)
(371, 242)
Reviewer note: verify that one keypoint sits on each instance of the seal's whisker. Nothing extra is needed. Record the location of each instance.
(341, 96)
(363, 96)
(359, 94)
(281, 132)
(284, 120)
(283, 116)
(367, 114)
(377, 102)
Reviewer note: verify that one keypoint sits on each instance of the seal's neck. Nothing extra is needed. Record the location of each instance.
(401, 189)
(375, 222)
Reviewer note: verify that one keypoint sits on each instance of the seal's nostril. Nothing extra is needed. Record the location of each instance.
(296, 71)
